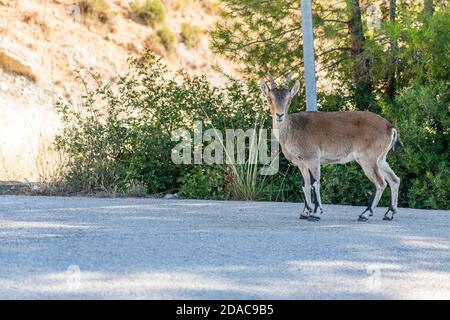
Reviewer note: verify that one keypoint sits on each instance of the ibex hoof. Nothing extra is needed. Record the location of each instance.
(371, 214)
(362, 219)
(313, 218)
(389, 215)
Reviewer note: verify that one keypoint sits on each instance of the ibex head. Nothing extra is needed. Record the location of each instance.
(279, 99)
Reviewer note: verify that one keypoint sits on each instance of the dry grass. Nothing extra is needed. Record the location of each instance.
(43, 168)
(190, 35)
(150, 12)
(162, 42)
(98, 9)
(33, 17)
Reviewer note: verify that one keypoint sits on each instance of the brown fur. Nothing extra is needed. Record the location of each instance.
(331, 136)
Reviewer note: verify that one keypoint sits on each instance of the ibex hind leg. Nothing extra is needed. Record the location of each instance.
(394, 183)
(373, 172)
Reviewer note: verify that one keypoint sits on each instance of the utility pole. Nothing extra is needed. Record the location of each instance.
(308, 55)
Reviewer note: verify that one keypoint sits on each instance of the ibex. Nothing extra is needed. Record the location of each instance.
(308, 139)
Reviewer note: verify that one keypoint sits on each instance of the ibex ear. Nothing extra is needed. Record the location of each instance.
(295, 88)
(264, 87)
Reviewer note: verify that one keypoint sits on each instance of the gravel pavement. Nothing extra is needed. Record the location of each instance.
(90, 248)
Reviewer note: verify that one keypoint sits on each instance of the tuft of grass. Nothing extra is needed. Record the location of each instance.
(190, 35)
(162, 41)
(97, 8)
(153, 43)
(211, 6)
(30, 17)
(165, 37)
(247, 183)
(181, 4)
(135, 188)
(150, 12)
(168, 38)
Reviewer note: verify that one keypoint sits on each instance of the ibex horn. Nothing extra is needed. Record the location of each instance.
(272, 82)
(288, 80)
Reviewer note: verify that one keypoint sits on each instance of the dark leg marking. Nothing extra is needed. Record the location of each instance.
(369, 207)
(313, 180)
(306, 209)
(316, 203)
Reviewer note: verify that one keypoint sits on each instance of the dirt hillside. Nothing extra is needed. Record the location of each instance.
(42, 42)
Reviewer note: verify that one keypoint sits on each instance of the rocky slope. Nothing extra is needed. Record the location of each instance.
(42, 42)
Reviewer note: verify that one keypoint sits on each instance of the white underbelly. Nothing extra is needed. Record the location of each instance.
(341, 160)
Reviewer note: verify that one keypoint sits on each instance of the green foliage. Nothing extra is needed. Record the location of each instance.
(122, 136)
(204, 182)
(425, 54)
(150, 11)
(190, 35)
(421, 112)
(263, 36)
(345, 184)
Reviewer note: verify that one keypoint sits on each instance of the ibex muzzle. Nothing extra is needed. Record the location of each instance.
(308, 139)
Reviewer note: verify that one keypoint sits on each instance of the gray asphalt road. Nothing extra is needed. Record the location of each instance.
(52, 247)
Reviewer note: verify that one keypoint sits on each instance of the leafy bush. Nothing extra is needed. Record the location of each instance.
(123, 134)
(425, 55)
(345, 184)
(190, 35)
(150, 11)
(421, 113)
(204, 182)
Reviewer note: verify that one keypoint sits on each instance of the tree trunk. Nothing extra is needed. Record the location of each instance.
(392, 54)
(361, 63)
(428, 8)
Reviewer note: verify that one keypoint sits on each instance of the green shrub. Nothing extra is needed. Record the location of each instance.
(421, 112)
(150, 11)
(122, 137)
(98, 8)
(167, 38)
(163, 41)
(204, 182)
(190, 35)
(346, 184)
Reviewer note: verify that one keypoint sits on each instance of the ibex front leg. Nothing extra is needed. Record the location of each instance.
(306, 188)
(314, 173)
